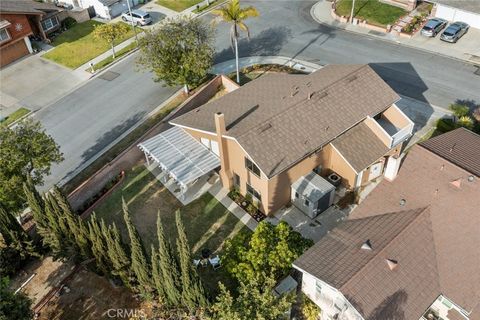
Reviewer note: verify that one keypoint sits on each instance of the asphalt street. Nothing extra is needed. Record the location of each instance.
(90, 118)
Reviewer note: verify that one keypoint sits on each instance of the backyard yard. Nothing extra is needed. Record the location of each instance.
(178, 5)
(374, 11)
(207, 222)
(77, 46)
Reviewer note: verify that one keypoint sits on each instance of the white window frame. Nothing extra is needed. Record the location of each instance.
(51, 19)
(253, 196)
(6, 33)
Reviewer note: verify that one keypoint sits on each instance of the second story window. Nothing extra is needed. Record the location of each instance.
(252, 167)
(4, 36)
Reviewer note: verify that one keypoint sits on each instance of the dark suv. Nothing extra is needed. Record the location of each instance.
(433, 26)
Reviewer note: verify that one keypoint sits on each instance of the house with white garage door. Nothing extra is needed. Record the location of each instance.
(454, 10)
(106, 9)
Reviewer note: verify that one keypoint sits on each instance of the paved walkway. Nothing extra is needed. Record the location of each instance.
(466, 49)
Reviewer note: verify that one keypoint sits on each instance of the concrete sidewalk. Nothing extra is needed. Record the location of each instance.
(466, 49)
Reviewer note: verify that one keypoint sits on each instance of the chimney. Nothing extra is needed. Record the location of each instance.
(221, 130)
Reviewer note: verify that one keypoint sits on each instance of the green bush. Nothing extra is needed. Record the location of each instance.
(466, 122)
(445, 125)
(459, 110)
(10, 261)
(68, 22)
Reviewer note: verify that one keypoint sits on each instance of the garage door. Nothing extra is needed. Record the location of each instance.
(13, 52)
(452, 14)
(120, 7)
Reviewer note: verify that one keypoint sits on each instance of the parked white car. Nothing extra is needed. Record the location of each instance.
(138, 17)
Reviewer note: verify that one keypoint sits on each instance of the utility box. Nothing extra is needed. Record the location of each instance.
(312, 194)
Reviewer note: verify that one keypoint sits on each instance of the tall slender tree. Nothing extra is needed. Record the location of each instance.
(118, 255)
(14, 235)
(193, 293)
(140, 266)
(169, 268)
(157, 275)
(99, 246)
(37, 205)
(234, 14)
(53, 237)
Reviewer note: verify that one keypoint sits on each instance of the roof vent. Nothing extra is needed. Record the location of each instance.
(352, 78)
(265, 127)
(294, 93)
(456, 183)
(403, 202)
(326, 128)
(323, 95)
(367, 245)
(453, 147)
(442, 167)
(471, 178)
(310, 94)
(392, 264)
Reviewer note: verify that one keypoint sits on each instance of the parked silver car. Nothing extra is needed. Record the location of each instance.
(138, 17)
(454, 31)
(433, 26)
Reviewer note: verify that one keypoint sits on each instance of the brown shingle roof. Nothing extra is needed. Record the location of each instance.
(360, 146)
(460, 146)
(278, 125)
(26, 6)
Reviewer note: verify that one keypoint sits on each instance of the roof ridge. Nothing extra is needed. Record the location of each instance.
(302, 100)
(423, 210)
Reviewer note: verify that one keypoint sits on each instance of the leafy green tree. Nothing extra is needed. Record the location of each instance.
(25, 150)
(139, 264)
(179, 52)
(310, 310)
(118, 255)
(13, 306)
(169, 268)
(110, 32)
(234, 14)
(270, 250)
(254, 301)
(193, 293)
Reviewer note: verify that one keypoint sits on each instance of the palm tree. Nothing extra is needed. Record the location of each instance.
(232, 13)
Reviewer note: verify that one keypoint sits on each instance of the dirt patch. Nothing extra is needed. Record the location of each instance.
(90, 297)
(48, 274)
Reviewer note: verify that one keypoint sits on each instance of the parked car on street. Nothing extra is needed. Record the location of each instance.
(433, 26)
(454, 31)
(138, 17)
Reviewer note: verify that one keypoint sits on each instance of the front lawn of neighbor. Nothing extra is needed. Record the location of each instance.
(77, 46)
(178, 5)
(207, 222)
(374, 11)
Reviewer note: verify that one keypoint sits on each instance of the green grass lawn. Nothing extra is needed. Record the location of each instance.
(77, 45)
(374, 11)
(14, 116)
(105, 62)
(178, 5)
(207, 222)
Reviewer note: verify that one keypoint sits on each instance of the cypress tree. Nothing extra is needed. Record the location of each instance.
(14, 235)
(37, 205)
(99, 248)
(139, 264)
(157, 276)
(118, 257)
(169, 268)
(193, 293)
(53, 238)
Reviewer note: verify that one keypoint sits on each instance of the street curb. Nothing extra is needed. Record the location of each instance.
(111, 64)
(312, 9)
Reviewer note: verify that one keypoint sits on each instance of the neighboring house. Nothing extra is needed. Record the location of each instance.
(20, 19)
(453, 10)
(411, 248)
(106, 9)
(279, 128)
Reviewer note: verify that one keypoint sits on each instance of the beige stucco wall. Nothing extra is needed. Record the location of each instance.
(379, 132)
(395, 116)
(342, 167)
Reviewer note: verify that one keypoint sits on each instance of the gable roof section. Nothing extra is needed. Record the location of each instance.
(425, 179)
(360, 146)
(27, 7)
(460, 146)
(279, 119)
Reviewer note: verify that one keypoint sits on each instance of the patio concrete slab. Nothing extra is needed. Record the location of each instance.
(33, 82)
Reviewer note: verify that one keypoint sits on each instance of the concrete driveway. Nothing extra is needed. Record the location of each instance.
(34, 82)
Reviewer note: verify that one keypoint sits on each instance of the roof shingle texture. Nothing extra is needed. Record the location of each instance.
(26, 6)
(360, 146)
(437, 253)
(460, 146)
(280, 119)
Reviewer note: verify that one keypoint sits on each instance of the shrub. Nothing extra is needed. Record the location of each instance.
(310, 310)
(459, 110)
(466, 122)
(476, 114)
(10, 261)
(68, 22)
(445, 125)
